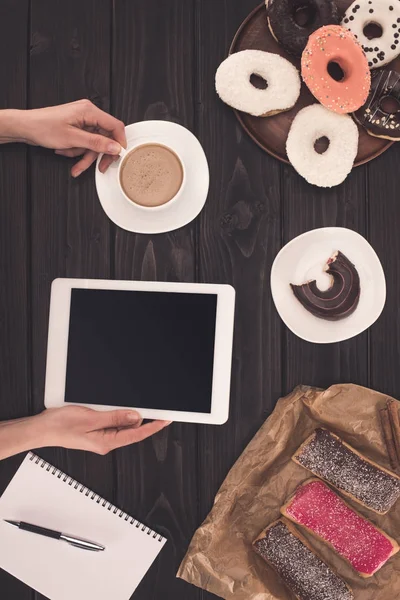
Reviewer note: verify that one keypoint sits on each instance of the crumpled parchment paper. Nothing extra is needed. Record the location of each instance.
(220, 558)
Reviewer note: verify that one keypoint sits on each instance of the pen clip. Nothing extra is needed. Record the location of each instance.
(86, 547)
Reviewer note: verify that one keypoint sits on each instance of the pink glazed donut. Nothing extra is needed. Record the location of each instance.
(334, 47)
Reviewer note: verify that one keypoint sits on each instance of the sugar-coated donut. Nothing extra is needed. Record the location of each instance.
(232, 82)
(377, 121)
(386, 14)
(335, 45)
(283, 26)
(333, 166)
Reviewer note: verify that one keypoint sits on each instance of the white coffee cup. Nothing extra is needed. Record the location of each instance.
(124, 155)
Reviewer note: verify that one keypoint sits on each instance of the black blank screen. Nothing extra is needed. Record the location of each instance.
(144, 349)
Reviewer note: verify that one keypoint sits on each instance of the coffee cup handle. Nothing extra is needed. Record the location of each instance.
(123, 152)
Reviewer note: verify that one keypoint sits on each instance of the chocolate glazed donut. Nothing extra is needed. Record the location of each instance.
(340, 300)
(285, 29)
(378, 122)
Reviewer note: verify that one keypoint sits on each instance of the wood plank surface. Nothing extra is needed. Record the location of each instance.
(239, 235)
(383, 222)
(14, 242)
(153, 59)
(152, 73)
(70, 59)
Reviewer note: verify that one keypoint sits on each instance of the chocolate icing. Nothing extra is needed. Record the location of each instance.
(284, 28)
(340, 300)
(385, 83)
(326, 456)
(304, 573)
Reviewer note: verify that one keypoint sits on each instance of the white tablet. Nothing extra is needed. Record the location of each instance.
(164, 349)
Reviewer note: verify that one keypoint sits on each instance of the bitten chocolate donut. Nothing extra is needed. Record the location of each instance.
(333, 166)
(386, 14)
(341, 299)
(377, 121)
(283, 26)
(232, 82)
(335, 46)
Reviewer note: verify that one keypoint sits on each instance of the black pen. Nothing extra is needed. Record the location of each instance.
(57, 535)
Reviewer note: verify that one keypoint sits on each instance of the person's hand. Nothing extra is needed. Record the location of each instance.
(82, 428)
(74, 129)
(75, 427)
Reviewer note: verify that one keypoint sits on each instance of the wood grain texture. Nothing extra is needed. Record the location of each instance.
(70, 59)
(152, 79)
(383, 221)
(147, 59)
(14, 240)
(239, 235)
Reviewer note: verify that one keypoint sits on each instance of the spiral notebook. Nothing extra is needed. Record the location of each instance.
(43, 495)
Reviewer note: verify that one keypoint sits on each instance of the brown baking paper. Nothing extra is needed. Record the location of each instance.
(220, 558)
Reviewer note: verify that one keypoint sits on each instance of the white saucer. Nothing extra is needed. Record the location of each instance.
(128, 216)
(303, 259)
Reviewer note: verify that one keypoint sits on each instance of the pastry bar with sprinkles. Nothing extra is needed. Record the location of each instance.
(324, 514)
(329, 457)
(302, 571)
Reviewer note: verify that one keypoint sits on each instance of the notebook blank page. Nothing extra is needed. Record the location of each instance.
(56, 569)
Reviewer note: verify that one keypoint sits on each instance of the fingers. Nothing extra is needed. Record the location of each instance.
(71, 152)
(94, 141)
(86, 161)
(125, 437)
(106, 161)
(114, 419)
(96, 117)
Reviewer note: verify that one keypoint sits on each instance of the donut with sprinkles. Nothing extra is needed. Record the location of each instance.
(347, 89)
(386, 15)
(374, 115)
(285, 28)
(234, 87)
(332, 166)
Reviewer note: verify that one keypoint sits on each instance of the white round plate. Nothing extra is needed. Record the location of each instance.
(132, 218)
(303, 259)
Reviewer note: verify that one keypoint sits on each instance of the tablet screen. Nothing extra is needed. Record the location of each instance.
(145, 349)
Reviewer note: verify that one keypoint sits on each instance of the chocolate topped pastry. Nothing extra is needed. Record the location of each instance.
(291, 22)
(328, 457)
(374, 115)
(341, 299)
(303, 572)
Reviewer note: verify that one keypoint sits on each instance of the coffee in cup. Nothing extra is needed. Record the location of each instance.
(151, 175)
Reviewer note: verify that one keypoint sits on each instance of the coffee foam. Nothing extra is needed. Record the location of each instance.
(151, 175)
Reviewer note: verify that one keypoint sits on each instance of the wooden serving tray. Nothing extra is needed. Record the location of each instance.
(270, 133)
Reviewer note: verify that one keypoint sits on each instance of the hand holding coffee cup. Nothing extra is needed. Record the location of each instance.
(151, 175)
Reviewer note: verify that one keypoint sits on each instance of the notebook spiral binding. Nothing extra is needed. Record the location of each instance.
(92, 495)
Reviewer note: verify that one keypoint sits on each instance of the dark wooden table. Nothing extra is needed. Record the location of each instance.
(156, 59)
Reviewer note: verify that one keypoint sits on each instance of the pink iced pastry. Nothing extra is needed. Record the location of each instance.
(315, 506)
(333, 47)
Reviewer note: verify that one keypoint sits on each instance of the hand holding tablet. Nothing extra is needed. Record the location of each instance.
(163, 349)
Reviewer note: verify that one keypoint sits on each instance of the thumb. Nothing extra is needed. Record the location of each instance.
(114, 419)
(96, 142)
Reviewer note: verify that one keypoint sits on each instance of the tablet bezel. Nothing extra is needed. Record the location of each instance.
(57, 346)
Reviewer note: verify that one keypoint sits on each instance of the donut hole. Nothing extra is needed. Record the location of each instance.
(389, 105)
(335, 71)
(321, 145)
(258, 82)
(304, 16)
(373, 30)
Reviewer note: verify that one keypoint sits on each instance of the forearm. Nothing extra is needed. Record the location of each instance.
(21, 435)
(12, 126)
